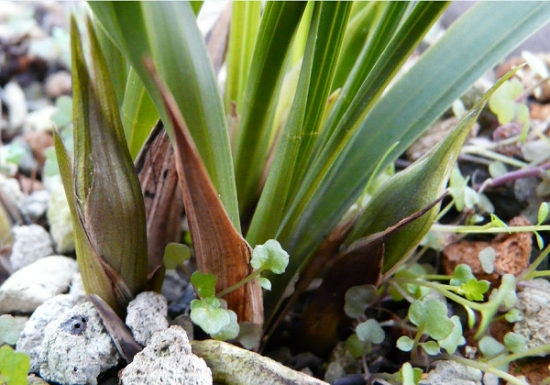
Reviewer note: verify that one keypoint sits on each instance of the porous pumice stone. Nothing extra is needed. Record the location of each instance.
(167, 359)
(77, 348)
(534, 305)
(147, 315)
(452, 373)
(32, 335)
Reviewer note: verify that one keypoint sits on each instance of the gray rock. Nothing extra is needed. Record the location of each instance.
(77, 287)
(146, 315)
(11, 188)
(40, 120)
(452, 373)
(36, 204)
(59, 217)
(77, 348)
(534, 305)
(32, 335)
(167, 360)
(30, 287)
(17, 106)
(31, 243)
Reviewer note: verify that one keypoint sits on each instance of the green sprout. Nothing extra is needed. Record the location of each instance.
(14, 366)
(210, 311)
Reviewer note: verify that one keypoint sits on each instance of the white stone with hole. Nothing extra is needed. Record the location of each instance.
(77, 348)
(32, 335)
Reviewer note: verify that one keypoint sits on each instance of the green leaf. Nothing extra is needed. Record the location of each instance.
(298, 139)
(118, 70)
(265, 283)
(462, 274)
(491, 347)
(14, 366)
(431, 347)
(405, 344)
(355, 346)
(279, 21)
(370, 331)
(64, 114)
(487, 258)
(409, 375)
(497, 168)
(9, 330)
(138, 113)
(513, 315)
(358, 298)
(497, 222)
(204, 283)
(453, 340)
(503, 102)
(229, 331)
(543, 212)
(540, 240)
(113, 263)
(422, 95)
(14, 152)
(175, 254)
(270, 256)
(414, 188)
(168, 32)
(515, 343)
(431, 317)
(245, 22)
(474, 289)
(210, 319)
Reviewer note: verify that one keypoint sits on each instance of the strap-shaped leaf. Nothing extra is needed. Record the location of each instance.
(296, 144)
(279, 21)
(168, 32)
(472, 45)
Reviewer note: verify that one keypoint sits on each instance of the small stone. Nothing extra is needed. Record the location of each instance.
(11, 188)
(17, 106)
(31, 243)
(146, 315)
(59, 217)
(534, 305)
(30, 287)
(184, 321)
(40, 120)
(77, 348)
(77, 287)
(452, 373)
(58, 84)
(334, 372)
(167, 360)
(32, 335)
(36, 204)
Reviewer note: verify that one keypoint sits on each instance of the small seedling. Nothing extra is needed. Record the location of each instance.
(175, 254)
(210, 310)
(14, 366)
(366, 333)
